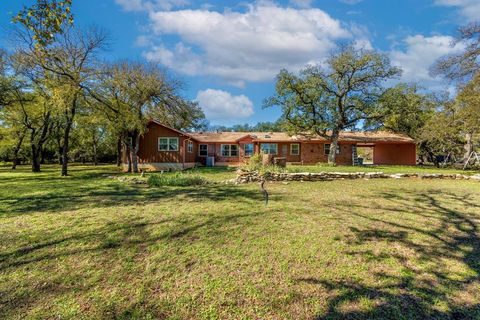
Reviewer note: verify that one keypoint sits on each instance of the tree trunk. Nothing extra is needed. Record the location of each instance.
(66, 135)
(35, 158)
(65, 146)
(128, 155)
(16, 149)
(332, 155)
(134, 146)
(468, 146)
(94, 141)
(119, 151)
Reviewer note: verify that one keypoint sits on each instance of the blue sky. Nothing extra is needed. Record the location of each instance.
(228, 52)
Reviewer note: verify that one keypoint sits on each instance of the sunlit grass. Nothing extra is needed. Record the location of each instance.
(88, 246)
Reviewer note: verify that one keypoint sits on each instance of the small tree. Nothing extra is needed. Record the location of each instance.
(324, 100)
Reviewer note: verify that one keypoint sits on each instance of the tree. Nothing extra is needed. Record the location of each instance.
(45, 19)
(468, 104)
(406, 109)
(67, 67)
(324, 100)
(465, 64)
(440, 134)
(131, 93)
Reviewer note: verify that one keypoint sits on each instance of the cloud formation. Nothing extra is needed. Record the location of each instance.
(244, 46)
(418, 56)
(469, 9)
(220, 105)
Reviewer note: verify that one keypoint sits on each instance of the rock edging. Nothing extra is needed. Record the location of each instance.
(244, 176)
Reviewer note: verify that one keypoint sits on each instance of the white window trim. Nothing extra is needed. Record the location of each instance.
(273, 154)
(202, 144)
(253, 151)
(291, 149)
(229, 150)
(190, 146)
(168, 143)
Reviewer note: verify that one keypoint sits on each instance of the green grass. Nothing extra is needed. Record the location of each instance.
(86, 246)
(378, 168)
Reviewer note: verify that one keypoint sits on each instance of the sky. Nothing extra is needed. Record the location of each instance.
(228, 53)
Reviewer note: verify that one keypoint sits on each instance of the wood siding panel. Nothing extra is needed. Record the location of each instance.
(395, 154)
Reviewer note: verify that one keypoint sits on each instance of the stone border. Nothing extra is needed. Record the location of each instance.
(255, 176)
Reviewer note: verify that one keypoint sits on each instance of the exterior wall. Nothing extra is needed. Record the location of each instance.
(148, 146)
(399, 154)
(314, 153)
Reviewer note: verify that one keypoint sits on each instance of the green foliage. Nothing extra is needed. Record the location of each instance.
(45, 19)
(406, 109)
(177, 179)
(323, 100)
(255, 164)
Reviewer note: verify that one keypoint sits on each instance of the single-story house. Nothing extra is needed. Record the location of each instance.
(162, 147)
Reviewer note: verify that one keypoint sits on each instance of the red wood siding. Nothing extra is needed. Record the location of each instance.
(148, 151)
(399, 154)
(314, 153)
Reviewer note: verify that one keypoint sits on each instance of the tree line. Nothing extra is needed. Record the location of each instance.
(60, 102)
(58, 98)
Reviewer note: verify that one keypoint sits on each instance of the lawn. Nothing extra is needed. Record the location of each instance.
(86, 246)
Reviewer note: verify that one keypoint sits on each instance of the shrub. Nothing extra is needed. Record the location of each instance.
(176, 179)
(255, 164)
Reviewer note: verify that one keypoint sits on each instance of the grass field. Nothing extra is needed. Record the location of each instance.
(86, 246)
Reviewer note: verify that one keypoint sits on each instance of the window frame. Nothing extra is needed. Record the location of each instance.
(229, 150)
(200, 150)
(168, 144)
(244, 150)
(329, 144)
(190, 146)
(291, 149)
(269, 149)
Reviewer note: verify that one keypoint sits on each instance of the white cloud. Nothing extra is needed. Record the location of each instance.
(244, 46)
(419, 55)
(469, 9)
(221, 105)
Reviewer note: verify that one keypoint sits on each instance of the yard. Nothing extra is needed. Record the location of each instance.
(86, 246)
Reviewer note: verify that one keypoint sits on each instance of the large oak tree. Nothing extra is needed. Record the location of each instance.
(326, 99)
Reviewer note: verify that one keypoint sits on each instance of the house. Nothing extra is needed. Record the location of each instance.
(162, 147)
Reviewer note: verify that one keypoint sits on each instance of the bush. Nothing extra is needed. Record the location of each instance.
(255, 164)
(176, 179)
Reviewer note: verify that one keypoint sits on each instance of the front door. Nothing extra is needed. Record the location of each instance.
(284, 150)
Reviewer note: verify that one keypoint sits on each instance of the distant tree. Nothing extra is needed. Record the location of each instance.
(324, 100)
(465, 64)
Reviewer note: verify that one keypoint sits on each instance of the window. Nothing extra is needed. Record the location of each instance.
(269, 148)
(326, 149)
(248, 148)
(167, 144)
(190, 146)
(295, 149)
(229, 150)
(203, 150)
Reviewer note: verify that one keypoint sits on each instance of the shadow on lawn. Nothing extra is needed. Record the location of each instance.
(75, 195)
(127, 237)
(414, 292)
